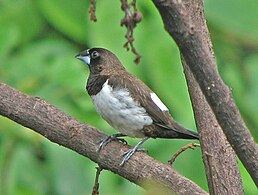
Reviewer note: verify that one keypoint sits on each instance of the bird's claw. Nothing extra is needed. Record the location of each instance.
(127, 155)
(103, 142)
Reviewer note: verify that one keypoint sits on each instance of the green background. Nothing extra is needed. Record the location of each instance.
(38, 42)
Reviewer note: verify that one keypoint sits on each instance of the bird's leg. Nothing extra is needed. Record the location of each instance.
(110, 138)
(127, 155)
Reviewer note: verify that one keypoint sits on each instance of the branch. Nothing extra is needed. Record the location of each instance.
(184, 21)
(218, 156)
(64, 130)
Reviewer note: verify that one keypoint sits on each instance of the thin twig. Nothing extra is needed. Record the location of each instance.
(92, 11)
(182, 149)
(130, 21)
(95, 190)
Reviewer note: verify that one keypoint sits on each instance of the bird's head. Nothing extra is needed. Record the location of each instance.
(100, 60)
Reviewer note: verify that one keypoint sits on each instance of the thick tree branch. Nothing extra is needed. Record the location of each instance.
(191, 35)
(64, 130)
(218, 156)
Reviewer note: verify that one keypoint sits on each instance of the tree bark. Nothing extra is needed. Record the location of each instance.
(218, 156)
(185, 22)
(64, 130)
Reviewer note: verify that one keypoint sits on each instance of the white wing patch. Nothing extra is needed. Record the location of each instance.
(158, 102)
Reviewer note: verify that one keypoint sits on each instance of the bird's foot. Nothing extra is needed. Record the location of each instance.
(127, 155)
(103, 142)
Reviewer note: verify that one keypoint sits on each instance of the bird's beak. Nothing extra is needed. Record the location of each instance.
(84, 58)
(78, 56)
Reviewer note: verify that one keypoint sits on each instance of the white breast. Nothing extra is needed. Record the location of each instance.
(119, 109)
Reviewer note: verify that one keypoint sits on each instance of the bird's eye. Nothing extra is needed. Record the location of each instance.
(100, 68)
(95, 55)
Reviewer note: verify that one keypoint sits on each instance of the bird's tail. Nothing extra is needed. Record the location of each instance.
(176, 131)
(186, 134)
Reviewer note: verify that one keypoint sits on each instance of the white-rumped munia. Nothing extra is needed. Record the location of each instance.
(126, 103)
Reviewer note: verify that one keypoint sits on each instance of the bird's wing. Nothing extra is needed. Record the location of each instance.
(142, 94)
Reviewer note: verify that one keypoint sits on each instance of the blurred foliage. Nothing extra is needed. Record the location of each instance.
(38, 42)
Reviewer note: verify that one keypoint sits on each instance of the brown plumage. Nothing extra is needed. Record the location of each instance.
(109, 80)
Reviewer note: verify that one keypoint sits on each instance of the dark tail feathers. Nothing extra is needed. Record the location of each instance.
(176, 131)
(187, 134)
(184, 133)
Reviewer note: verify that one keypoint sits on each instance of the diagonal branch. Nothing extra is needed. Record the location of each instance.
(64, 130)
(218, 156)
(184, 21)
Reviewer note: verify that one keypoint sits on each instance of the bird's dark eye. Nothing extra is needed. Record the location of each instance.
(95, 55)
(100, 68)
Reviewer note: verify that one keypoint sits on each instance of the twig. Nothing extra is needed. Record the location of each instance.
(182, 149)
(130, 21)
(95, 190)
(92, 11)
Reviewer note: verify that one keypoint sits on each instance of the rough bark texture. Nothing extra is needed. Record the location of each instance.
(185, 22)
(218, 156)
(64, 130)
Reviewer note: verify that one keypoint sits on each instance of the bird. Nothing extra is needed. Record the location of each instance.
(127, 103)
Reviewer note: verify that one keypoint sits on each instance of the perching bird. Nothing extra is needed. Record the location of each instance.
(126, 103)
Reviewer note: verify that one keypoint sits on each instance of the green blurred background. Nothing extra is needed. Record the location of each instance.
(38, 42)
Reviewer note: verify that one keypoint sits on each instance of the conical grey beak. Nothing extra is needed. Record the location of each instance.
(85, 58)
(77, 56)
